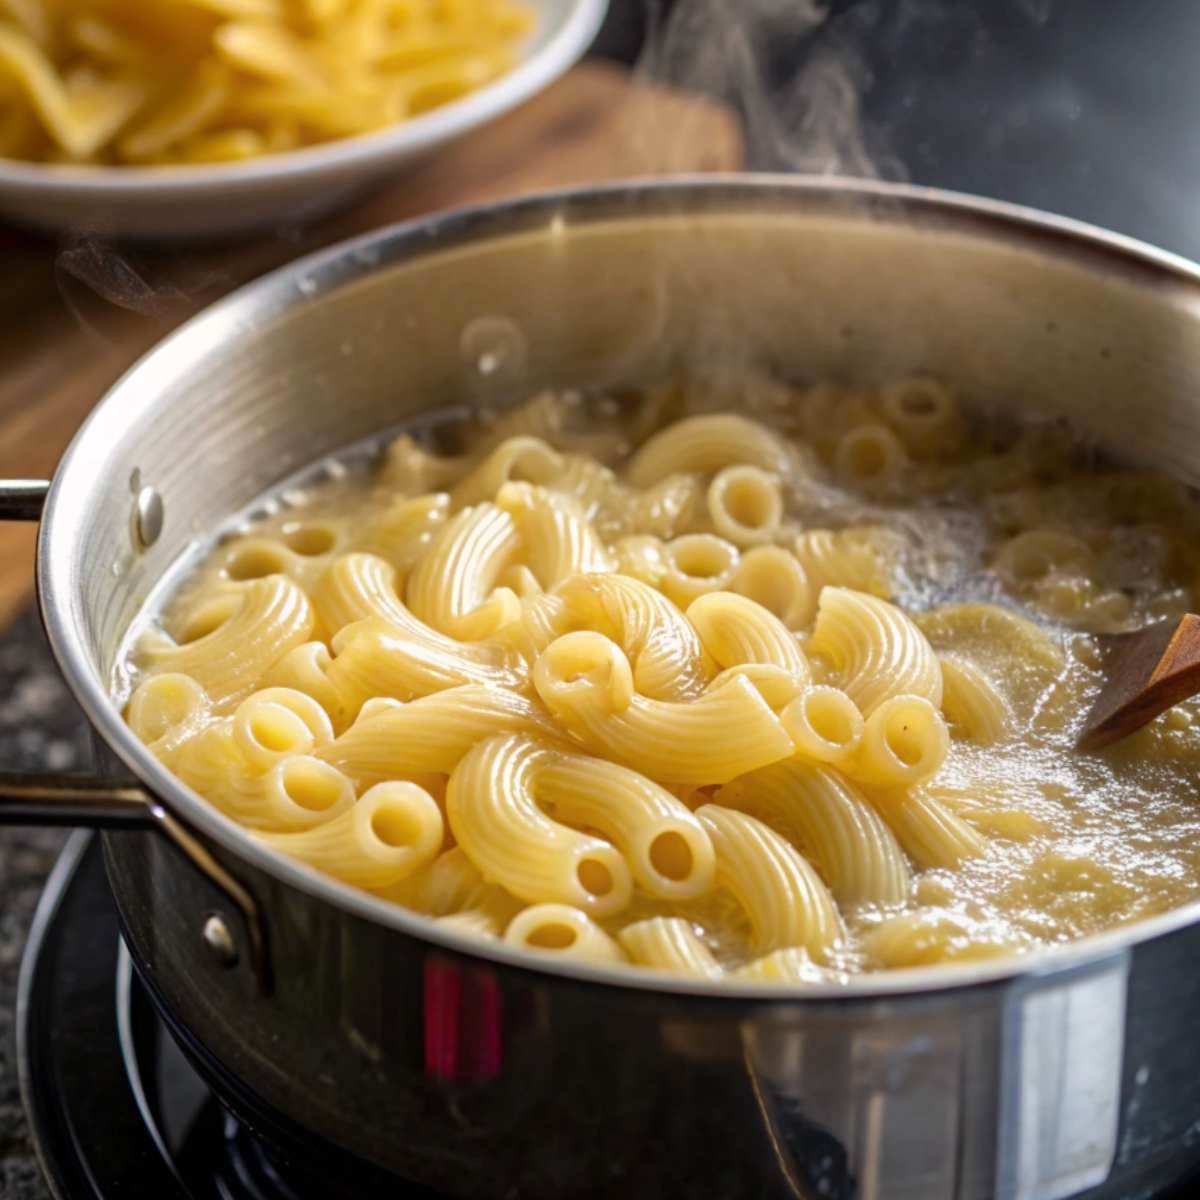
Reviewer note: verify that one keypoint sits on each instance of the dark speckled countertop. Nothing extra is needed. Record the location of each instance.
(40, 728)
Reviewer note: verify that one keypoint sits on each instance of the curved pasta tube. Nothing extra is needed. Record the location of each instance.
(304, 669)
(563, 931)
(640, 556)
(934, 935)
(706, 444)
(248, 558)
(785, 901)
(932, 836)
(433, 734)
(825, 725)
(373, 658)
(273, 723)
(924, 413)
(745, 504)
(773, 577)
(520, 458)
(391, 832)
(166, 709)
(585, 680)
(667, 659)
(361, 585)
(557, 540)
(451, 888)
(904, 741)
(792, 965)
(663, 510)
(666, 847)
(735, 630)
(453, 586)
(298, 792)
(235, 638)
(859, 558)
(874, 649)
(971, 702)
(992, 807)
(669, 944)
(1030, 556)
(869, 455)
(494, 816)
(403, 532)
(832, 823)
(696, 564)
(779, 688)
(412, 470)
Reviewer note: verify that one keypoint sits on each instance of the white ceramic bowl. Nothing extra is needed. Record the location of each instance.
(196, 201)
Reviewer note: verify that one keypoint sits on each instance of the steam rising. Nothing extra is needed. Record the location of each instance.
(797, 93)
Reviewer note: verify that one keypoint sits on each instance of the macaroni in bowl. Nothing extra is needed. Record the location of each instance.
(782, 696)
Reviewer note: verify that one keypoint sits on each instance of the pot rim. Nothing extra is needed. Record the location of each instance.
(279, 291)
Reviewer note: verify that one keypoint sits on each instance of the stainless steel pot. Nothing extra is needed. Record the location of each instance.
(353, 1024)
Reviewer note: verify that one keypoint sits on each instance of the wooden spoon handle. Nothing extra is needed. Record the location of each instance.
(1146, 673)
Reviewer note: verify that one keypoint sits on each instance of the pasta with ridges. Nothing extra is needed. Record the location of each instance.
(729, 705)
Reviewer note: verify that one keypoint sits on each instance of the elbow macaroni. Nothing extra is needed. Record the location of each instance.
(641, 713)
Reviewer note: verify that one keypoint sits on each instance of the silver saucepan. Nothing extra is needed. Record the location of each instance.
(339, 1024)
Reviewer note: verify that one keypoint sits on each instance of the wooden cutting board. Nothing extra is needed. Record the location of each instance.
(74, 312)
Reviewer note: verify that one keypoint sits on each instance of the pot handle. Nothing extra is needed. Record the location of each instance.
(106, 803)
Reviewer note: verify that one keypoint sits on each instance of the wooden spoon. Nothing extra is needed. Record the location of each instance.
(1146, 672)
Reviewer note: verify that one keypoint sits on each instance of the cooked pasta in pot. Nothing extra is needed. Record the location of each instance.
(729, 704)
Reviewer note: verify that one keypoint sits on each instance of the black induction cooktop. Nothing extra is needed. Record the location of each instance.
(116, 1109)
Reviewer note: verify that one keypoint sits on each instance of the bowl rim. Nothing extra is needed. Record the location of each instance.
(556, 48)
(60, 588)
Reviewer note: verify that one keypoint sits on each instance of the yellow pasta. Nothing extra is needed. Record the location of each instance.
(667, 659)
(298, 792)
(785, 901)
(516, 459)
(793, 965)
(227, 642)
(774, 578)
(972, 703)
(166, 709)
(391, 832)
(495, 817)
(374, 658)
(563, 931)
(432, 734)
(706, 444)
(870, 455)
(832, 823)
(745, 504)
(935, 936)
(135, 82)
(453, 587)
(696, 564)
(874, 649)
(668, 944)
(402, 533)
(619, 704)
(557, 540)
(275, 723)
(825, 724)
(930, 833)
(904, 741)
(859, 558)
(585, 681)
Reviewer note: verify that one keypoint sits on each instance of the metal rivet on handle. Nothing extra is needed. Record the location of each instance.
(147, 518)
(220, 942)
